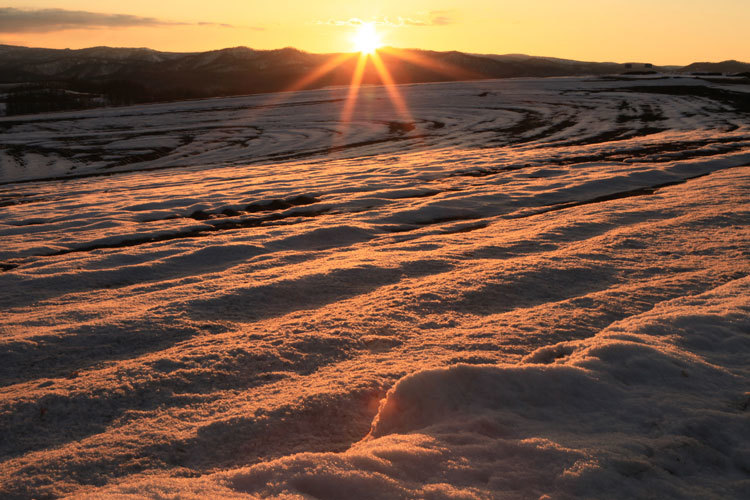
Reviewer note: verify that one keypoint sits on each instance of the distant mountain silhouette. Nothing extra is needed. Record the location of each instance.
(726, 67)
(105, 75)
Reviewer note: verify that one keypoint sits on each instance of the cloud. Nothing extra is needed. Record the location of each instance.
(406, 21)
(48, 20)
(225, 25)
(441, 18)
(337, 22)
(434, 18)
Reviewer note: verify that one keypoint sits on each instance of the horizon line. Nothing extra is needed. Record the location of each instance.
(289, 47)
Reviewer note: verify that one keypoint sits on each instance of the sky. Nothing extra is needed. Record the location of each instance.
(660, 32)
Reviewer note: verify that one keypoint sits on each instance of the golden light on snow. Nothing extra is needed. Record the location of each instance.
(366, 39)
(495, 311)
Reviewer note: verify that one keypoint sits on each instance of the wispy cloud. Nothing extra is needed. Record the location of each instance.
(47, 20)
(225, 25)
(442, 17)
(434, 18)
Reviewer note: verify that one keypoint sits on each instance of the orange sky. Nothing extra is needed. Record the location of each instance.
(661, 32)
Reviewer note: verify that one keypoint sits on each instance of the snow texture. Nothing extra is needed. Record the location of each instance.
(525, 289)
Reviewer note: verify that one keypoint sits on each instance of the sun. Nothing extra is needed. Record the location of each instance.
(366, 39)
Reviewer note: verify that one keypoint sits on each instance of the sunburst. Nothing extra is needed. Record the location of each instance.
(366, 39)
(368, 45)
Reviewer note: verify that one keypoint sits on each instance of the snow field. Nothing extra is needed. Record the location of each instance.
(547, 295)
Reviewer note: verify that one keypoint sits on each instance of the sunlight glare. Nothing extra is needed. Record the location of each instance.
(366, 39)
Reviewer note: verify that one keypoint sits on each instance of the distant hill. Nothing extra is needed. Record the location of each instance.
(225, 70)
(553, 66)
(105, 75)
(726, 67)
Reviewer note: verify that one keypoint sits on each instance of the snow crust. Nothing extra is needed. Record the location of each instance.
(545, 297)
(627, 413)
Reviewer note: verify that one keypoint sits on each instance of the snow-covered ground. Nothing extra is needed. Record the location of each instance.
(518, 289)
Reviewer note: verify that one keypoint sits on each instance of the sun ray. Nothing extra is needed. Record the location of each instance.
(351, 99)
(441, 67)
(316, 74)
(391, 88)
(320, 72)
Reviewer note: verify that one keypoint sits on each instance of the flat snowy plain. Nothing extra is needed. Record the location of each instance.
(533, 288)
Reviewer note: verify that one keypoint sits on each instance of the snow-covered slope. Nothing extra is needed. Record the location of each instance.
(521, 288)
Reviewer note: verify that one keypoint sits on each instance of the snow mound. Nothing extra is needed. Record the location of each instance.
(640, 407)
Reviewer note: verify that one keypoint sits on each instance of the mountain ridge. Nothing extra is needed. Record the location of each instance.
(122, 75)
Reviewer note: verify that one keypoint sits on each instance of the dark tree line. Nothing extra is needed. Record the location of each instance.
(42, 99)
(74, 95)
